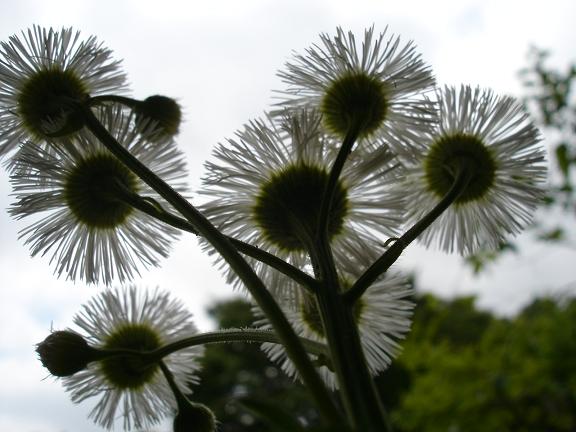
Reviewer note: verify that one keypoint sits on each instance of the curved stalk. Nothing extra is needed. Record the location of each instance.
(335, 171)
(233, 335)
(178, 395)
(247, 335)
(124, 100)
(382, 264)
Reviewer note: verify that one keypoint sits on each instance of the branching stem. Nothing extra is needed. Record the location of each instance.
(347, 355)
(222, 244)
(154, 209)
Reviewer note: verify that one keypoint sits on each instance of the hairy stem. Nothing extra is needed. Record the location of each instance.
(247, 335)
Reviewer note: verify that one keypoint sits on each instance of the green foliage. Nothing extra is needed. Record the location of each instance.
(483, 373)
(462, 369)
(551, 100)
(456, 323)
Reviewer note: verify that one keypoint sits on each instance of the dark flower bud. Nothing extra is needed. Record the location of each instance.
(64, 353)
(158, 117)
(194, 417)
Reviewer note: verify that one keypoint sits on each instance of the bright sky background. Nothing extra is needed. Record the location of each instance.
(219, 58)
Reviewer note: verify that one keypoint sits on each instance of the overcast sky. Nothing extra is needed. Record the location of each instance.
(219, 58)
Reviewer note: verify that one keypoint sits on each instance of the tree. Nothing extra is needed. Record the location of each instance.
(486, 373)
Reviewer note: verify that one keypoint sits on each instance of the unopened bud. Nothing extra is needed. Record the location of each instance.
(158, 117)
(65, 352)
(194, 417)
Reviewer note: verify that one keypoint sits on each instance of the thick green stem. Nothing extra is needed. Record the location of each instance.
(222, 244)
(382, 264)
(356, 385)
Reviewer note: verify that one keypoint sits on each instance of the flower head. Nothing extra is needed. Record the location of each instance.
(44, 74)
(90, 229)
(375, 90)
(382, 315)
(491, 141)
(267, 186)
(137, 320)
